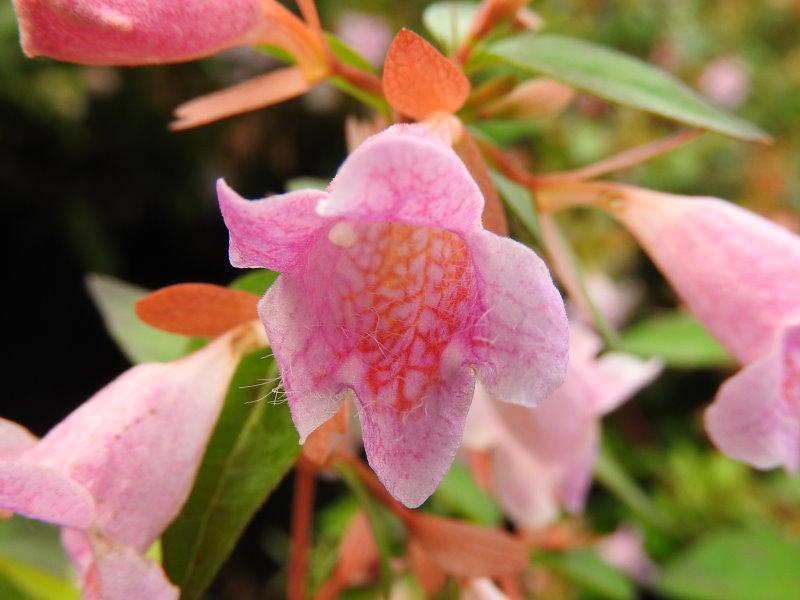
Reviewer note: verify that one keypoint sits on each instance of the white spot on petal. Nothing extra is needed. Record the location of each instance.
(342, 234)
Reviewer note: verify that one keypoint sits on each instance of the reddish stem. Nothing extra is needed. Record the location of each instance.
(302, 513)
(360, 79)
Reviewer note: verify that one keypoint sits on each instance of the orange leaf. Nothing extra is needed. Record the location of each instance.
(418, 81)
(467, 550)
(265, 90)
(429, 576)
(494, 217)
(321, 443)
(199, 309)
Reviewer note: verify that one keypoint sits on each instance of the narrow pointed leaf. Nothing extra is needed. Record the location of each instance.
(139, 342)
(251, 450)
(679, 339)
(619, 78)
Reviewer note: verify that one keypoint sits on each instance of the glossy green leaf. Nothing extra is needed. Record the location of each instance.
(449, 22)
(116, 299)
(256, 282)
(678, 338)
(461, 496)
(519, 200)
(620, 78)
(735, 565)
(252, 448)
(586, 570)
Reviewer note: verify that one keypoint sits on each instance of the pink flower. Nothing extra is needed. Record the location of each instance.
(740, 275)
(542, 458)
(391, 287)
(725, 81)
(368, 34)
(624, 549)
(117, 470)
(133, 32)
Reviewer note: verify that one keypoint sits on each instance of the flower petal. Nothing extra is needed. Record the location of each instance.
(746, 288)
(45, 494)
(418, 81)
(307, 361)
(265, 90)
(120, 32)
(14, 439)
(405, 175)
(275, 232)
(123, 574)
(137, 443)
(520, 343)
(411, 450)
(755, 417)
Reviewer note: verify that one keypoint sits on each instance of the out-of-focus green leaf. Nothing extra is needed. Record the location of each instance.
(735, 565)
(620, 78)
(253, 446)
(304, 183)
(678, 338)
(519, 200)
(588, 571)
(34, 543)
(449, 22)
(506, 132)
(256, 282)
(460, 495)
(348, 55)
(375, 102)
(116, 299)
(612, 475)
(32, 583)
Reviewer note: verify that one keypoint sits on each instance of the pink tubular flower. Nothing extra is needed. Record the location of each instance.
(391, 287)
(740, 275)
(134, 32)
(542, 457)
(116, 471)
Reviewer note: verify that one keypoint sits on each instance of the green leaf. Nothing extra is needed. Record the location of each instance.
(678, 338)
(620, 78)
(348, 55)
(256, 282)
(252, 448)
(116, 299)
(449, 22)
(519, 200)
(461, 496)
(735, 565)
(33, 583)
(304, 183)
(585, 569)
(612, 475)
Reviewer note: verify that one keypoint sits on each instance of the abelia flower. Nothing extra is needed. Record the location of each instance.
(391, 288)
(542, 458)
(117, 470)
(125, 32)
(740, 275)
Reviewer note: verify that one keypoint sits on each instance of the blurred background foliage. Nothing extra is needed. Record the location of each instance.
(92, 181)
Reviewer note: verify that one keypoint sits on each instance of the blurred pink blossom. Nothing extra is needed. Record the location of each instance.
(624, 549)
(369, 35)
(740, 275)
(117, 470)
(542, 458)
(390, 287)
(725, 81)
